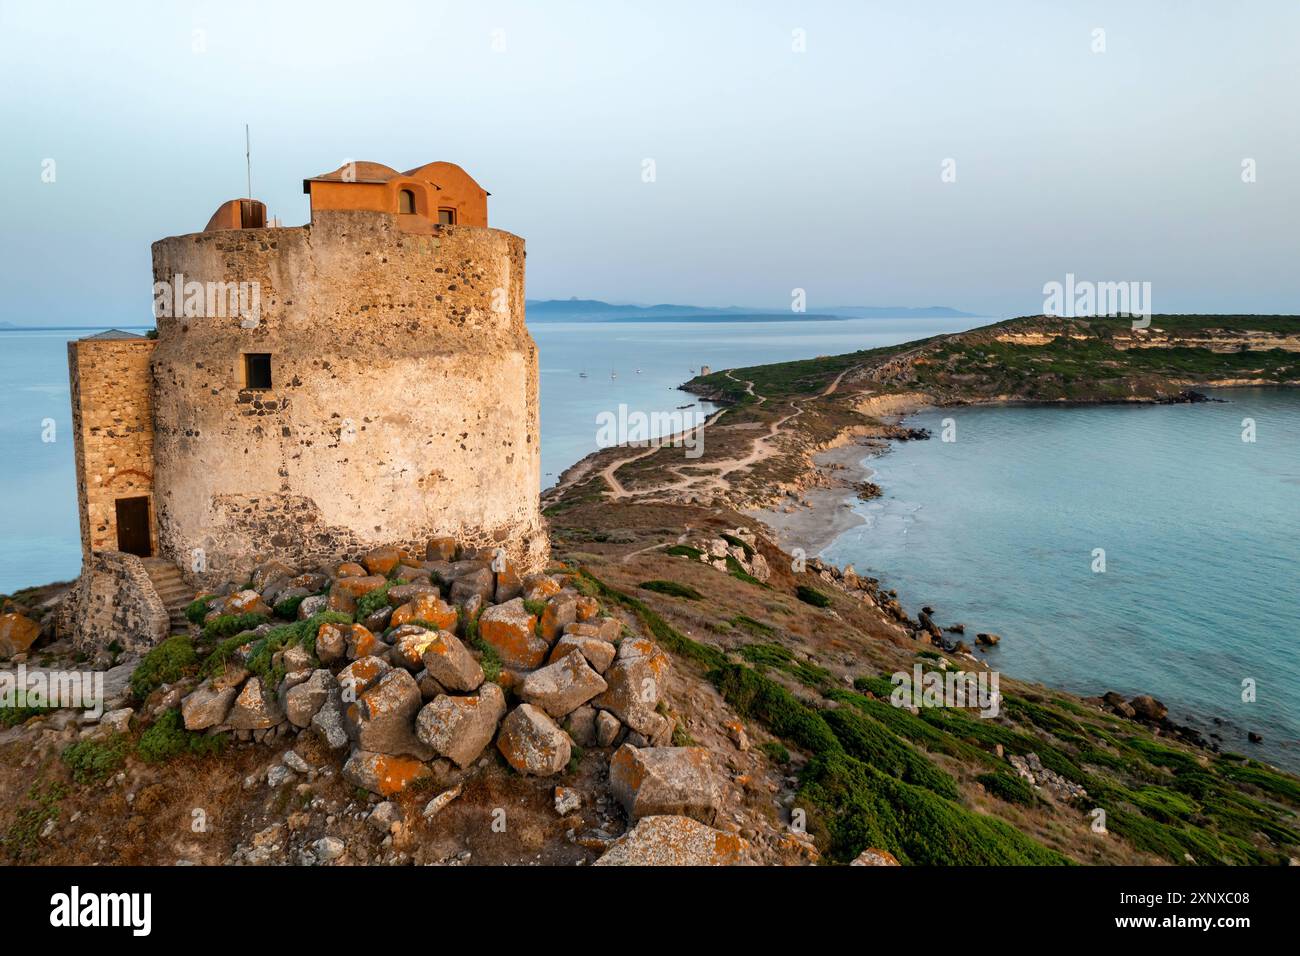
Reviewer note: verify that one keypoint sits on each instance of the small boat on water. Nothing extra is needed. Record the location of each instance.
(582, 375)
(613, 374)
(691, 405)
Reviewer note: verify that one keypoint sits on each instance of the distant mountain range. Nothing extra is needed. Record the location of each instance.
(593, 310)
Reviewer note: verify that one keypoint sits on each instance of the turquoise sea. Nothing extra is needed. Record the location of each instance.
(1201, 538)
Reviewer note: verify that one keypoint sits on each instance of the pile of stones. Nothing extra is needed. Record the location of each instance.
(405, 686)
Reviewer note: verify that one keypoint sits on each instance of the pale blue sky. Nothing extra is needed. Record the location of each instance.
(775, 169)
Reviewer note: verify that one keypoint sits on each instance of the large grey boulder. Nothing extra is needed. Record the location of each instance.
(532, 743)
(636, 680)
(460, 727)
(206, 706)
(675, 841)
(302, 701)
(383, 718)
(449, 663)
(599, 653)
(255, 708)
(562, 687)
(654, 781)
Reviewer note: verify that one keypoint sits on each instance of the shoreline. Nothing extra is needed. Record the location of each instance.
(823, 512)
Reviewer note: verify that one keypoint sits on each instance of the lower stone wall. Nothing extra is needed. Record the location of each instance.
(114, 600)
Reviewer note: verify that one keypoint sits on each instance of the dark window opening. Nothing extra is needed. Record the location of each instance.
(446, 217)
(257, 370)
(406, 202)
(133, 526)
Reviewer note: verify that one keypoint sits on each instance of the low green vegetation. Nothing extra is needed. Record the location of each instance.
(684, 551)
(782, 658)
(225, 625)
(21, 839)
(92, 760)
(166, 663)
(1008, 788)
(812, 596)
(672, 589)
(372, 601)
(737, 571)
(197, 609)
(168, 738)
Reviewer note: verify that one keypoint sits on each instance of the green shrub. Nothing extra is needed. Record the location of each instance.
(757, 628)
(167, 662)
(288, 608)
(740, 543)
(372, 601)
(536, 608)
(812, 596)
(1008, 788)
(93, 760)
(672, 589)
(856, 806)
(225, 625)
(684, 551)
(873, 744)
(168, 738)
(775, 750)
(780, 657)
(736, 571)
(197, 609)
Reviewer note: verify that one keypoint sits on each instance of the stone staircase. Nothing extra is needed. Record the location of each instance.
(171, 587)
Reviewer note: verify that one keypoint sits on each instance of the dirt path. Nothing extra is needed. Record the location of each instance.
(762, 448)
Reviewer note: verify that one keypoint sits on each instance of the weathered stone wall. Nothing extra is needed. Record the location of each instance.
(403, 401)
(114, 600)
(112, 424)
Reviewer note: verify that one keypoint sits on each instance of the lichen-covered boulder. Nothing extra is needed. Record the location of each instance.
(427, 607)
(363, 643)
(255, 708)
(562, 687)
(636, 682)
(561, 611)
(652, 781)
(359, 675)
(599, 654)
(302, 701)
(459, 728)
(17, 634)
(382, 560)
(384, 774)
(407, 644)
(383, 718)
(480, 581)
(512, 632)
(675, 841)
(328, 721)
(332, 642)
(207, 706)
(532, 743)
(245, 602)
(449, 663)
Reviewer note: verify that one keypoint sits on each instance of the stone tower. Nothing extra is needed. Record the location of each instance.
(363, 380)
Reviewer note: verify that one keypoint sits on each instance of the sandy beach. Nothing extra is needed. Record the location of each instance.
(825, 511)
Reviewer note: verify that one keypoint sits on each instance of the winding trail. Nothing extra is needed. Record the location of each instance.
(762, 448)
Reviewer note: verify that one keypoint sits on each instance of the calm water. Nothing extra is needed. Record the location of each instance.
(39, 538)
(1201, 533)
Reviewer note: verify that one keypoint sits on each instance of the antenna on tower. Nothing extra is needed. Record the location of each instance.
(248, 160)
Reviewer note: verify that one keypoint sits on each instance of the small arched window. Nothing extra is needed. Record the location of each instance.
(406, 202)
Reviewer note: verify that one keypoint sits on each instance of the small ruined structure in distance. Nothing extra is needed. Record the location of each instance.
(312, 392)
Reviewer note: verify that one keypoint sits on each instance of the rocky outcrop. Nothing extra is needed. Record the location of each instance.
(675, 841)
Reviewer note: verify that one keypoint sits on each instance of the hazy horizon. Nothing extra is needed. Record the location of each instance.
(775, 169)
